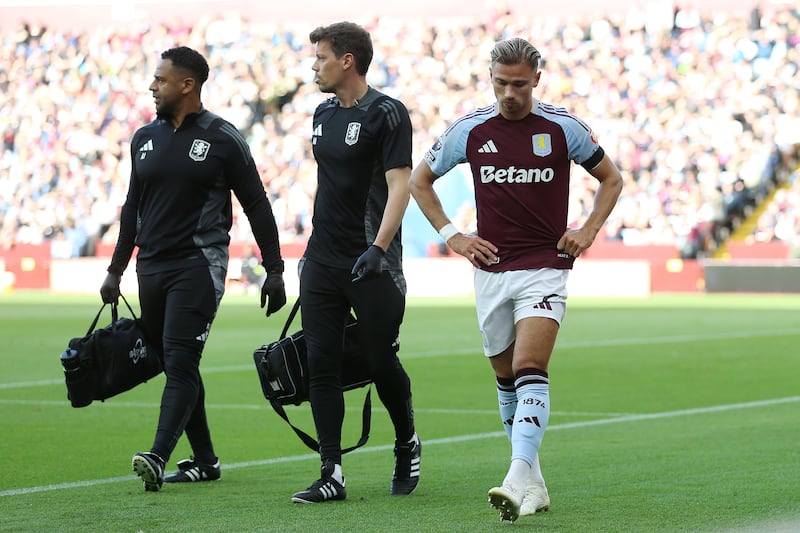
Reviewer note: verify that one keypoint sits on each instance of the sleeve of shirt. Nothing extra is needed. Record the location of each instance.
(581, 141)
(450, 149)
(126, 239)
(246, 184)
(396, 134)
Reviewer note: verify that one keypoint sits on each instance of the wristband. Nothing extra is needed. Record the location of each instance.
(448, 231)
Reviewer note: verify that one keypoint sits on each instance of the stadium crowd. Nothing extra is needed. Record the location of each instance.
(700, 111)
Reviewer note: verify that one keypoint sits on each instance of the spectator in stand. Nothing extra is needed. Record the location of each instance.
(253, 272)
(681, 97)
(781, 220)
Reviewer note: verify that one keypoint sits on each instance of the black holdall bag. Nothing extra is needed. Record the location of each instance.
(110, 360)
(283, 372)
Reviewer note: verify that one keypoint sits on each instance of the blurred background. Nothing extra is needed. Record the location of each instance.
(697, 103)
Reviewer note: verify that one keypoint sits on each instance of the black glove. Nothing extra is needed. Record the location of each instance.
(273, 291)
(368, 265)
(109, 290)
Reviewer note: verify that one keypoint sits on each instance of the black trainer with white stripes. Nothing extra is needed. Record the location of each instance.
(326, 488)
(190, 471)
(407, 457)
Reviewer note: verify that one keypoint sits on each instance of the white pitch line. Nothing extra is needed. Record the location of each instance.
(679, 338)
(445, 440)
(260, 406)
(26, 384)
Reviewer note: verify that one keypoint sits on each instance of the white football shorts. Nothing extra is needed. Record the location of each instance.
(504, 298)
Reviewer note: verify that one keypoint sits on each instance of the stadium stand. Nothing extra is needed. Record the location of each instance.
(700, 111)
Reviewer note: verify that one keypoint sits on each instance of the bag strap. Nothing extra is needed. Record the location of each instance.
(115, 313)
(96, 318)
(289, 319)
(308, 440)
(366, 418)
(114, 308)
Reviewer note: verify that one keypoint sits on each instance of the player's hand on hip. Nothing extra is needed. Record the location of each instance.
(480, 252)
(109, 290)
(273, 292)
(368, 265)
(575, 242)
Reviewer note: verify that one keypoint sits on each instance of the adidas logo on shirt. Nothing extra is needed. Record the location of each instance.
(316, 133)
(488, 148)
(146, 147)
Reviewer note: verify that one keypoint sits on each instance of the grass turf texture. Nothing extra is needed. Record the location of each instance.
(673, 413)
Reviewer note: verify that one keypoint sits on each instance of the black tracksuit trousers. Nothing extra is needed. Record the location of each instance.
(326, 296)
(178, 307)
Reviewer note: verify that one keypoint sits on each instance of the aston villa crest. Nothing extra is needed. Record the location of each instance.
(199, 150)
(353, 129)
(542, 145)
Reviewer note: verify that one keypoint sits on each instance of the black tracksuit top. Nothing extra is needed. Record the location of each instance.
(178, 209)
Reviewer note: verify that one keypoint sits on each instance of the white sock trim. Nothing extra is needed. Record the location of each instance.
(337, 474)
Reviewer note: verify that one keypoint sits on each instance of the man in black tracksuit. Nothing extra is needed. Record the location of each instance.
(178, 212)
(362, 143)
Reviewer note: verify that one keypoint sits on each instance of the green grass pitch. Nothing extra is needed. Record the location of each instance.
(672, 413)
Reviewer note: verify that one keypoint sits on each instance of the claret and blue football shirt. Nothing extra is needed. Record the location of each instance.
(521, 172)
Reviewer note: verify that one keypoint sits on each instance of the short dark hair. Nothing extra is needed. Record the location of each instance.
(189, 60)
(347, 37)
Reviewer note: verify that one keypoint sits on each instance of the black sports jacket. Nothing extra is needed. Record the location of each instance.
(178, 209)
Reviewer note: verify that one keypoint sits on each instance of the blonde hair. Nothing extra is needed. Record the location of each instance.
(516, 51)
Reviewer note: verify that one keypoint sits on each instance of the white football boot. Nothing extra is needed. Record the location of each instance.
(506, 499)
(535, 500)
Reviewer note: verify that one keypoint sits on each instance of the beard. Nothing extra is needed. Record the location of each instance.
(165, 111)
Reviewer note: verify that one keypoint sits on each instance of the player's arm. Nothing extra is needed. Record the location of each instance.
(123, 251)
(575, 242)
(394, 124)
(396, 204)
(126, 239)
(478, 251)
(421, 186)
(368, 264)
(245, 182)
